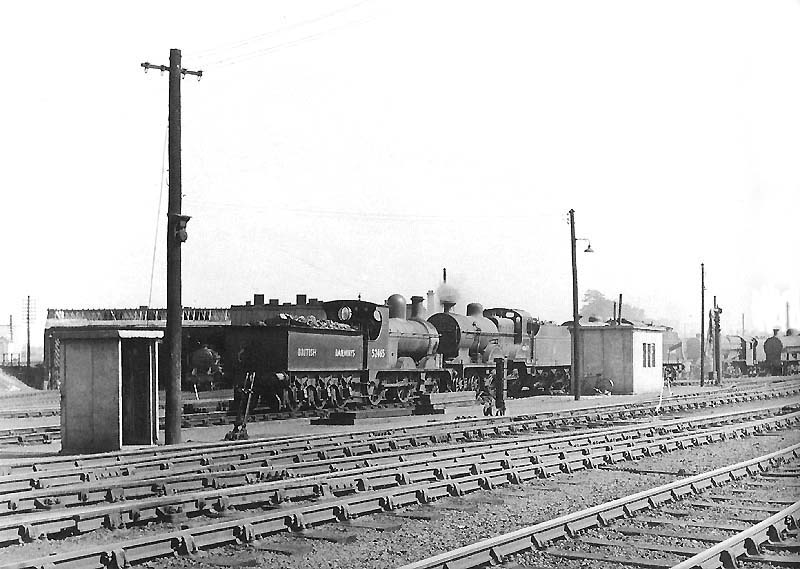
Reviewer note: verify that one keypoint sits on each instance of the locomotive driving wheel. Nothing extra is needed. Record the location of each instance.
(374, 393)
(322, 398)
(336, 397)
(290, 400)
(404, 393)
(313, 400)
(274, 403)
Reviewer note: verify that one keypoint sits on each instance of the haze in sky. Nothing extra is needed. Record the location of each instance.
(357, 147)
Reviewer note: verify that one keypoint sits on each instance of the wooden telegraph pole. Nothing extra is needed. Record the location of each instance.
(28, 342)
(702, 323)
(176, 235)
(576, 368)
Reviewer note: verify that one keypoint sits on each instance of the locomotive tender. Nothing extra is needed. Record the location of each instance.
(369, 353)
(738, 355)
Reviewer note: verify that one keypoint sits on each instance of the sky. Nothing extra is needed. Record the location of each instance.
(337, 148)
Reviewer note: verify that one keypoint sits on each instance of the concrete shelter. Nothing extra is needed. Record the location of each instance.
(109, 392)
(630, 355)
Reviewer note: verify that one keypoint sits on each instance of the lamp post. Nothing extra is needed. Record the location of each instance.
(576, 371)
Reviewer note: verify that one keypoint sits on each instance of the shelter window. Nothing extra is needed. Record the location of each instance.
(648, 355)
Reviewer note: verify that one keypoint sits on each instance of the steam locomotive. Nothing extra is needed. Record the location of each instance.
(368, 353)
(782, 353)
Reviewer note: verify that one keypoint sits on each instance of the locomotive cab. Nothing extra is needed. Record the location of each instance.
(372, 321)
(517, 328)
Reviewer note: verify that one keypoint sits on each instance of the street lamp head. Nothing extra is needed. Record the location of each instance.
(589, 249)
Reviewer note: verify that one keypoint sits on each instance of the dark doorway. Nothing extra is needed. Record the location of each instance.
(136, 392)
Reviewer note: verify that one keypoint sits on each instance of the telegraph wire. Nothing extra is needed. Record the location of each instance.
(158, 216)
(233, 60)
(365, 215)
(210, 52)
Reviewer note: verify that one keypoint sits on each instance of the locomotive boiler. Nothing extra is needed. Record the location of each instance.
(469, 344)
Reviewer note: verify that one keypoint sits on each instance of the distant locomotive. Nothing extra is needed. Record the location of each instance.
(205, 368)
(537, 355)
(368, 353)
(738, 356)
(782, 353)
(673, 356)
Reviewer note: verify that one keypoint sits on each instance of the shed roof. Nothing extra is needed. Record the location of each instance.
(98, 333)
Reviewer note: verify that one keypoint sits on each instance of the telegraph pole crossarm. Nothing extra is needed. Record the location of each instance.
(147, 65)
(176, 235)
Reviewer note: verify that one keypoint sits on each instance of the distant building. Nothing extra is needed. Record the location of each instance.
(200, 326)
(630, 355)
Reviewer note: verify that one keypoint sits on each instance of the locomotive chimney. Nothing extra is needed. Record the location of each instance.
(397, 306)
(258, 300)
(431, 302)
(301, 300)
(417, 312)
(474, 309)
(448, 305)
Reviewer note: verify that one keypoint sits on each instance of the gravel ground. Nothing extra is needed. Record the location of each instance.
(459, 521)
(680, 512)
(482, 515)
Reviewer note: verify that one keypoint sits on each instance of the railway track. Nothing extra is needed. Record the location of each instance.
(25, 494)
(212, 409)
(306, 493)
(687, 524)
(352, 441)
(49, 433)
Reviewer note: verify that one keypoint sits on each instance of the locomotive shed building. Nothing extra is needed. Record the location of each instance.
(201, 325)
(630, 355)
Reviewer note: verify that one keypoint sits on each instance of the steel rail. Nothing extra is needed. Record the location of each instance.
(329, 507)
(527, 465)
(746, 543)
(257, 469)
(27, 413)
(25, 435)
(161, 462)
(261, 453)
(495, 549)
(559, 418)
